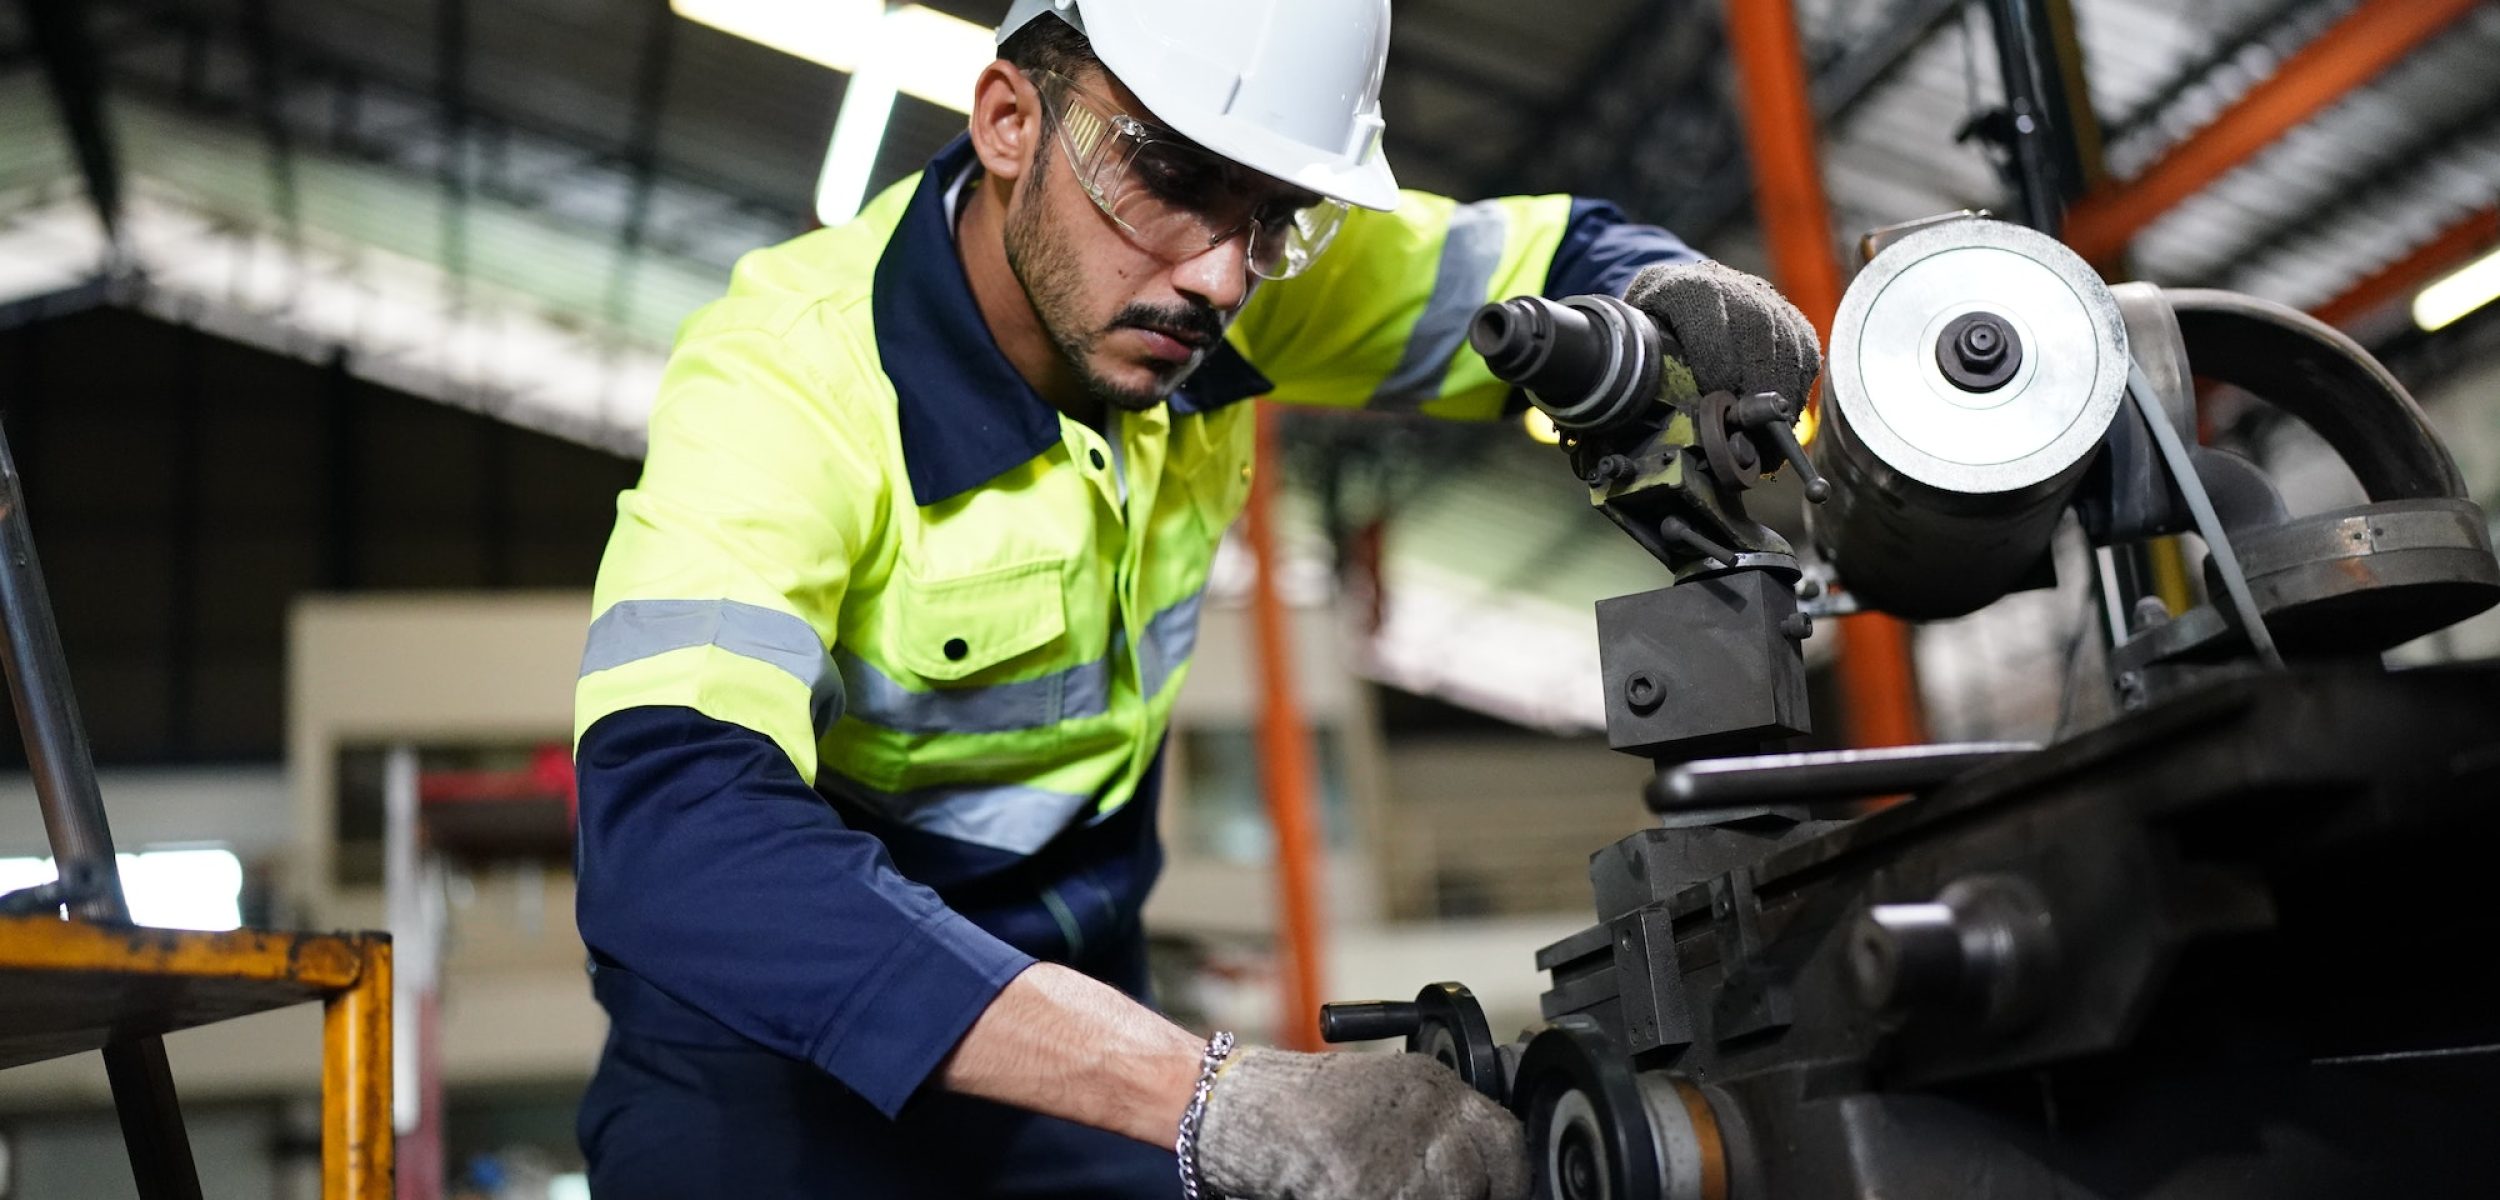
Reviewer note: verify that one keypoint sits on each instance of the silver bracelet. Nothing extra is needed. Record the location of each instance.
(1218, 1049)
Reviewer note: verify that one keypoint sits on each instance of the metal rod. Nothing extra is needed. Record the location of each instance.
(47, 712)
(82, 843)
(2041, 137)
(1772, 779)
(358, 1150)
(151, 1119)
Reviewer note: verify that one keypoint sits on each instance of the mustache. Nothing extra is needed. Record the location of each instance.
(1198, 323)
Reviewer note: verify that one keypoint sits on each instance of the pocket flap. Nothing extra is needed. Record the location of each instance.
(965, 624)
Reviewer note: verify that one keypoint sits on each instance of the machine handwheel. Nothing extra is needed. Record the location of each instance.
(1589, 1134)
(1454, 1032)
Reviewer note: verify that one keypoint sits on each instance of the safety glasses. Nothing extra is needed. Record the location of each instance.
(1177, 200)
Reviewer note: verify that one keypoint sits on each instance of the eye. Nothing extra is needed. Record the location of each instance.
(1187, 180)
(1277, 214)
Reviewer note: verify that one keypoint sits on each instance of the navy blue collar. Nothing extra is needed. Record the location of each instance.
(965, 416)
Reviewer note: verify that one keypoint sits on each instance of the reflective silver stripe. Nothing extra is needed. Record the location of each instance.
(1009, 817)
(633, 630)
(1083, 690)
(1171, 637)
(1077, 692)
(1468, 260)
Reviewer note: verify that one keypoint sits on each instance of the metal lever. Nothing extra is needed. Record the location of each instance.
(1770, 415)
(1677, 531)
(1369, 1020)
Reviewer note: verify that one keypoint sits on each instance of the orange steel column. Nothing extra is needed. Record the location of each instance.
(357, 1151)
(1285, 762)
(2352, 51)
(1879, 692)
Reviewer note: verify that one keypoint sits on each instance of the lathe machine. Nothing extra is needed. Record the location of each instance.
(2229, 943)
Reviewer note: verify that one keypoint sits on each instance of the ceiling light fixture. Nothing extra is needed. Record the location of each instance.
(858, 133)
(2470, 287)
(928, 54)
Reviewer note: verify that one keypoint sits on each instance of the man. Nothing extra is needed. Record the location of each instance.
(888, 633)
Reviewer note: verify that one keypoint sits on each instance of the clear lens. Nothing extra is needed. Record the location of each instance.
(1177, 200)
(1284, 248)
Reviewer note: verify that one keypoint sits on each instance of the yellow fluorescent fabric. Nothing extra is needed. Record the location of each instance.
(1026, 636)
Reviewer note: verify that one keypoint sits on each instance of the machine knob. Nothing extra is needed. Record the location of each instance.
(1981, 950)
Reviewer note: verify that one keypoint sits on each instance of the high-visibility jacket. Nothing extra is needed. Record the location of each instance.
(878, 624)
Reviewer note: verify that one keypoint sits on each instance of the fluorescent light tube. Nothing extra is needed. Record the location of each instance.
(858, 132)
(928, 54)
(2470, 287)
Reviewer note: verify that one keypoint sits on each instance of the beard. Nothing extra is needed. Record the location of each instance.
(1051, 273)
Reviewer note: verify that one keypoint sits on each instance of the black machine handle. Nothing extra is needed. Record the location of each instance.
(1368, 1020)
(1443, 1020)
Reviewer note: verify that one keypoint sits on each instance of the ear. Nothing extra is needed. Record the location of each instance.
(1006, 121)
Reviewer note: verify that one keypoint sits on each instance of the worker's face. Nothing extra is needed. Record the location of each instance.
(1131, 319)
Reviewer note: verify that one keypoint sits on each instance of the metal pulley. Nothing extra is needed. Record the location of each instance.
(1975, 367)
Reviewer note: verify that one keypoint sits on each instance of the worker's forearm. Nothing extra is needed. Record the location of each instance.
(1060, 1043)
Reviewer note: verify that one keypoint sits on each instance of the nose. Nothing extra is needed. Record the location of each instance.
(1218, 275)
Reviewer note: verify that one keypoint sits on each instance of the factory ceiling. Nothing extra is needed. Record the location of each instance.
(508, 206)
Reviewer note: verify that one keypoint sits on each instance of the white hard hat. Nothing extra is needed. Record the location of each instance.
(1288, 88)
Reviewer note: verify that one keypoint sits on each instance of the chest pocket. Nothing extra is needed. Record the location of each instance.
(958, 627)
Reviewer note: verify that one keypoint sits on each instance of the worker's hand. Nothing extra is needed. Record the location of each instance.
(1287, 1126)
(1739, 334)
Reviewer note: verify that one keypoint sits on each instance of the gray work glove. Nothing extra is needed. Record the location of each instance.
(1739, 334)
(1287, 1126)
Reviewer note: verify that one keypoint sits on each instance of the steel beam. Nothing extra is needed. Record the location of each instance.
(1880, 694)
(1616, 68)
(1696, 110)
(2447, 249)
(1287, 765)
(268, 112)
(395, 119)
(74, 71)
(2406, 170)
(2350, 53)
(451, 81)
(642, 150)
(1838, 89)
(2283, 25)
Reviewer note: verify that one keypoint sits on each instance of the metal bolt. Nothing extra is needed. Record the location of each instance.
(2149, 612)
(1979, 352)
(1642, 692)
(2131, 689)
(1797, 626)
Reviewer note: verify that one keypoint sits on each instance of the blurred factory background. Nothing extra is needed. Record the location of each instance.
(327, 333)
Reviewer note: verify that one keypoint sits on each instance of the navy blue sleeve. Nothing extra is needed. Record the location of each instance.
(711, 871)
(1601, 250)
